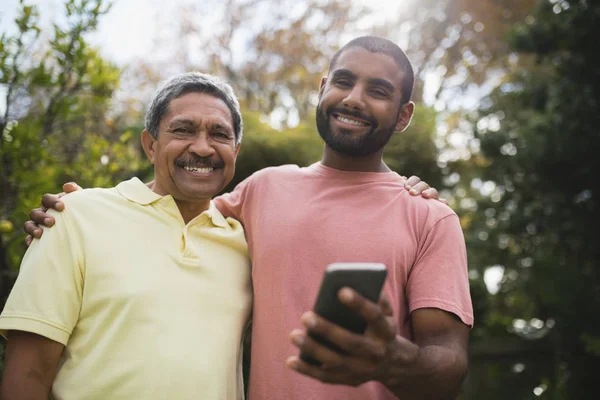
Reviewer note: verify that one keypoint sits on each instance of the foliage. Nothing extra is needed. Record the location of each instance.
(273, 53)
(264, 146)
(56, 124)
(539, 139)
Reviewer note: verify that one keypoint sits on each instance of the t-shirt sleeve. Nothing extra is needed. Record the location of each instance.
(232, 204)
(439, 278)
(46, 298)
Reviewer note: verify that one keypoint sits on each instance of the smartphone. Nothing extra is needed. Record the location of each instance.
(367, 279)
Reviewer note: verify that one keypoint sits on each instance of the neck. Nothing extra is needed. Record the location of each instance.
(188, 210)
(370, 163)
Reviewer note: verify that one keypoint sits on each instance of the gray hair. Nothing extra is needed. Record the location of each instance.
(193, 82)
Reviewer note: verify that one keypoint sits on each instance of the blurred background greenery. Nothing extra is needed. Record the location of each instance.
(506, 127)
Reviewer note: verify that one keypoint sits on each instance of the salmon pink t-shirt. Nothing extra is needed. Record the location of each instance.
(299, 220)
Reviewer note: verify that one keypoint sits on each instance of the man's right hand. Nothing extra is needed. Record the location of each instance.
(39, 218)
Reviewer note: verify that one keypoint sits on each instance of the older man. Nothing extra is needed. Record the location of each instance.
(141, 292)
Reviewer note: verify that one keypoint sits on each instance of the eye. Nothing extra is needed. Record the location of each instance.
(222, 135)
(380, 93)
(182, 131)
(343, 83)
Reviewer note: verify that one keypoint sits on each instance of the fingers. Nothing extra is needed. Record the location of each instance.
(431, 193)
(52, 201)
(333, 363)
(300, 366)
(317, 351)
(28, 240)
(39, 216)
(32, 230)
(70, 187)
(343, 375)
(369, 311)
(347, 341)
(412, 181)
(419, 188)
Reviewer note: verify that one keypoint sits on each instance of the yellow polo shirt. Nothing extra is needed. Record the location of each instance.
(147, 306)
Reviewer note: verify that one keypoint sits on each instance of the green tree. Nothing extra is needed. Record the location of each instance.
(286, 49)
(539, 217)
(56, 125)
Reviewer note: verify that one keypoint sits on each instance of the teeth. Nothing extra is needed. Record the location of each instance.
(351, 121)
(203, 170)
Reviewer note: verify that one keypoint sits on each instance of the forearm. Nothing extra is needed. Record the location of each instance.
(436, 374)
(30, 366)
(25, 388)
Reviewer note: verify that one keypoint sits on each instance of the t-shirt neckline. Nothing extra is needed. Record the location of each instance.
(329, 172)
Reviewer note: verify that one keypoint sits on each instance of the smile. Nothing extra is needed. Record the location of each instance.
(350, 121)
(202, 170)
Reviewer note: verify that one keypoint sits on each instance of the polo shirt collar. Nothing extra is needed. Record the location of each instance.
(215, 215)
(137, 191)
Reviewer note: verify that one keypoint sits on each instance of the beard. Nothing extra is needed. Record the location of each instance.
(347, 144)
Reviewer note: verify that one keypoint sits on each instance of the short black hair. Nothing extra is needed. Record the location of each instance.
(376, 44)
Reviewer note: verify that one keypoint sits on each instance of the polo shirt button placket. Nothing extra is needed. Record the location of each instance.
(189, 256)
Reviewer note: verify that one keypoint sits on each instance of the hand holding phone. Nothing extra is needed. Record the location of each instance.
(366, 279)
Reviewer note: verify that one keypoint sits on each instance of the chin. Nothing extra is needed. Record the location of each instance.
(199, 194)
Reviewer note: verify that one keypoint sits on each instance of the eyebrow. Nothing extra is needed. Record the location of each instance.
(382, 82)
(218, 125)
(182, 121)
(342, 72)
(192, 123)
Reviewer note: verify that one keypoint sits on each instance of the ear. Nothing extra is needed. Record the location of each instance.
(148, 143)
(322, 85)
(405, 116)
(236, 151)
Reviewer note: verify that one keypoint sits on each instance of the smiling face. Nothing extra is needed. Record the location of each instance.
(360, 103)
(195, 151)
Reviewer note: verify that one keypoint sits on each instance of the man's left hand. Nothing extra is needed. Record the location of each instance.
(369, 356)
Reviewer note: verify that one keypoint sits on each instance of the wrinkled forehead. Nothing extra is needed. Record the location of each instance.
(198, 108)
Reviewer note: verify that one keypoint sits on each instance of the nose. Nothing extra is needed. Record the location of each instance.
(202, 145)
(354, 100)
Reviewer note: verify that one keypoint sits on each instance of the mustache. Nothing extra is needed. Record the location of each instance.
(352, 113)
(198, 161)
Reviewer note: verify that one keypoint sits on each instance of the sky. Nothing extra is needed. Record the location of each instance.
(125, 33)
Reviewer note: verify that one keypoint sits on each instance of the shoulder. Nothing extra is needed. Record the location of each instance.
(86, 197)
(428, 211)
(271, 175)
(88, 202)
(281, 171)
(82, 197)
